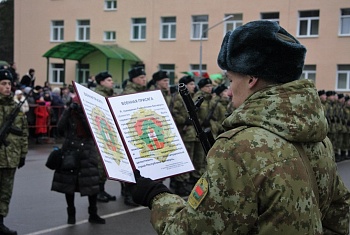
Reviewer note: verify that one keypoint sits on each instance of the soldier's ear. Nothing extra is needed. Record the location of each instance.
(252, 81)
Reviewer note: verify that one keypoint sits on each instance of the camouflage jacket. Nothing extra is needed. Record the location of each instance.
(256, 181)
(104, 91)
(18, 144)
(132, 88)
(180, 114)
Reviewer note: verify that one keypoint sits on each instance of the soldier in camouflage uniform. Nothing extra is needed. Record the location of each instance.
(160, 80)
(13, 150)
(273, 170)
(137, 83)
(221, 101)
(347, 121)
(105, 88)
(343, 128)
(207, 116)
(331, 115)
(181, 183)
(323, 98)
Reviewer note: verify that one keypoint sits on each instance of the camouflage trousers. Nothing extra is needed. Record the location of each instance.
(7, 176)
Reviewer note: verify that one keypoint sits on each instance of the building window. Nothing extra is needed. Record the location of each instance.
(233, 23)
(82, 73)
(343, 77)
(168, 28)
(309, 72)
(57, 73)
(138, 29)
(110, 5)
(109, 36)
(57, 30)
(194, 68)
(83, 30)
(308, 23)
(345, 22)
(170, 68)
(199, 27)
(271, 16)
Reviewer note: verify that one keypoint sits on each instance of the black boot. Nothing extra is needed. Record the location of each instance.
(71, 215)
(109, 197)
(5, 230)
(127, 196)
(94, 218)
(101, 197)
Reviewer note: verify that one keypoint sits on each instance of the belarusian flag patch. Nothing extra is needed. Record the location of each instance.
(198, 193)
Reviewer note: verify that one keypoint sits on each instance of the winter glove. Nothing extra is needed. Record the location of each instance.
(21, 163)
(146, 189)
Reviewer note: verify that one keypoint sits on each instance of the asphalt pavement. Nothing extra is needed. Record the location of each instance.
(36, 210)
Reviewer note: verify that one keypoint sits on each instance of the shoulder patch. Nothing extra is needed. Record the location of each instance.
(198, 193)
(229, 134)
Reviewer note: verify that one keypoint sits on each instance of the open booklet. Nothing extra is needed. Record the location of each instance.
(135, 131)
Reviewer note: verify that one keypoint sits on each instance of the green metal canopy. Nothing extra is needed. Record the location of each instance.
(78, 50)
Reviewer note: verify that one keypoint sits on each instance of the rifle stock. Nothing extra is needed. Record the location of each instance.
(205, 136)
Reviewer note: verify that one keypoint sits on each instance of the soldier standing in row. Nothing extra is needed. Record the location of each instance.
(137, 83)
(273, 170)
(105, 88)
(181, 183)
(205, 113)
(13, 148)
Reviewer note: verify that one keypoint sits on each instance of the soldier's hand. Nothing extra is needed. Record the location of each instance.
(21, 163)
(146, 189)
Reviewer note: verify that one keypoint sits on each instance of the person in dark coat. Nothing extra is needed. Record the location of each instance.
(83, 176)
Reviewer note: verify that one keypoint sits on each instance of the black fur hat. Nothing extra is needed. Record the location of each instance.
(203, 82)
(186, 79)
(5, 75)
(157, 76)
(262, 49)
(102, 76)
(135, 72)
(220, 89)
(321, 92)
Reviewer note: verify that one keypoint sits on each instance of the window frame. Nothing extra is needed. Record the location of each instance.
(141, 27)
(85, 70)
(277, 20)
(309, 20)
(110, 5)
(202, 26)
(308, 70)
(86, 31)
(171, 26)
(109, 33)
(57, 73)
(236, 21)
(170, 71)
(58, 30)
(341, 19)
(345, 72)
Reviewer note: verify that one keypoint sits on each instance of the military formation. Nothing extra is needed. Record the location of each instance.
(337, 110)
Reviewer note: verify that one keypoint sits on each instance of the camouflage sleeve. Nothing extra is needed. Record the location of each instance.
(336, 220)
(179, 111)
(246, 189)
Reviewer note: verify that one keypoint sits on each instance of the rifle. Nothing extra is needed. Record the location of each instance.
(205, 136)
(7, 128)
